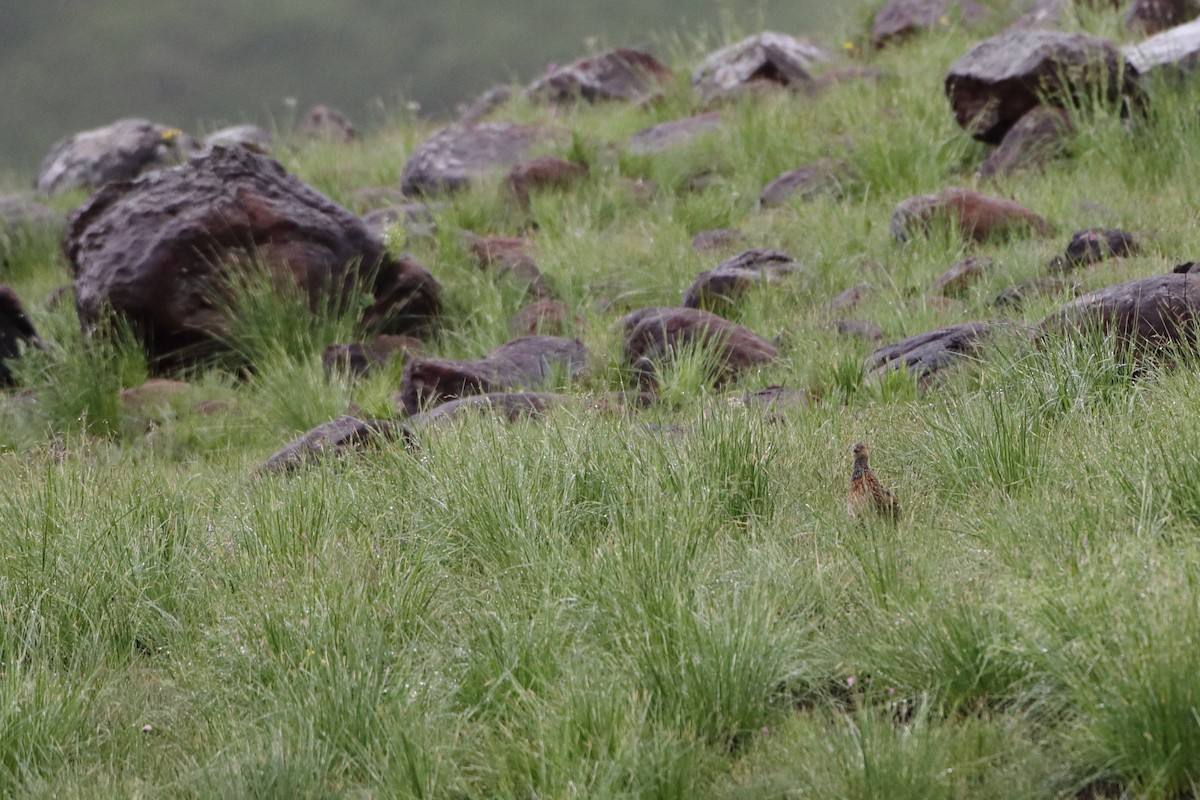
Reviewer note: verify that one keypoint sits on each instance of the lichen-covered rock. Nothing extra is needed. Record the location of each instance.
(1146, 313)
(956, 280)
(1176, 49)
(526, 362)
(621, 74)
(1035, 139)
(334, 438)
(116, 152)
(769, 58)
(161, 251)
(999, 80)
(653, 335)
(824, 176)
(251, 137)
(975, 216)
(1154, 16)
(902, 18)
(459, 155)
(927, 354)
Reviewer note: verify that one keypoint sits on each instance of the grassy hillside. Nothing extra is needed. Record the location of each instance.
(666, 603)
(72, 65)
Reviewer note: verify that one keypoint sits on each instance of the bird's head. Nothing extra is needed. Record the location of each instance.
(859, 450)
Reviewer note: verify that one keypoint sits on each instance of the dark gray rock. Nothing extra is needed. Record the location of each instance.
(1037, 137)
(1002, 78)
(1093, 245)
(769, 58)
(1014, 297)
(852, 297)
(821, 177)
(116, 152)
(629, 75)
(899, 19)
(413, 218)
(1173, 50)
(16, 332)
(677, 133)
(459, 155)
(335, 438)
(961, 275)
(776, 399)
(653, 335)
(859, 329)
(717, 239)
(1145, 314)
(509, 406)
(19, 214)
(1154, 16)
(483, 105)
(715, 289)
(927, 354)
(526, 362)
(161, 251)
(251, 137)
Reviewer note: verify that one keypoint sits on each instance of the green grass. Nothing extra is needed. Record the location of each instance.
(628, 603)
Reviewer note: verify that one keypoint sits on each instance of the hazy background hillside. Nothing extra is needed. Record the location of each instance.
(68, 65)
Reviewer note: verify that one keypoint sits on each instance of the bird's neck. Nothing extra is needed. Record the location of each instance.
(861, 467)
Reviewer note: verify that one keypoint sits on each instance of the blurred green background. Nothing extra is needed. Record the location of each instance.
(69, 65)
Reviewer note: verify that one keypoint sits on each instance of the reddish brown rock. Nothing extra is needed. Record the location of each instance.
(1001, 79)
(768, 58)
(955, 281)
(338, 437)
(678, 133)
(526, 362)
(323, 122)
(976, 216)
(1035, 139)
(1146, 314)
(16, 332)
(459, 155)
(117, 152)
(715, 289)
(899, 19)
(543, 172)
(656, 334)
(548, 317)
(162, 250)
(509, 256)
(821, 177)
(927, 354)
(629, 75)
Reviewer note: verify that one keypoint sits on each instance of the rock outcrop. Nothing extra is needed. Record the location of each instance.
(765, 59)
(629, 75)
(116, 152)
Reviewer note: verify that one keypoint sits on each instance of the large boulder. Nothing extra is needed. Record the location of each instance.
(162, 250)
(459, 155)
(16, 331)
(653, 335)
(901, 18)
(116, 152)
(1176, 49)
(927, 354)
(1145, 313)
(999, 80)
(768, 58)
(717, 288)
(629, 75)
(526, 362)
(975, 216)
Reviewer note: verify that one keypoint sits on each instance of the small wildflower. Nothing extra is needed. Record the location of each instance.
(765, 731)
(943, 20)
(847, 45)
(170, 135)
(147, 728)
(850, 681)
(309, 652)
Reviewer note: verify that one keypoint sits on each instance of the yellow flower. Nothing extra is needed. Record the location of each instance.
(170, 135)
(943, 20)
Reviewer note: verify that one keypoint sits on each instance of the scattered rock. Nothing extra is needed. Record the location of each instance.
(543, 172)
(509, 256)
(1014, 297)
(251, 137)
(776, 399)
(1145, 313)
(16, 331)
(820, 177)
(768, 58)
(154, 393)
(161, 250)
(900, 19)
(717, 239)
(976, 216)
(528, 361)
(1094, 245)
(859, 329)
(669, 135)
(458, 155)
(630, 75)
(1186, 268)
(1153, 16)
(715, 289)
(22, 214)
(1035, 139)
(655, 334)
(334, 438)
(510, 406)
(927, 354)
(1175, 49)
(548, 317)
(117, 152)
(1002, 78)
(357, 359)
(323, 122)
(852, 296)
(955, 281)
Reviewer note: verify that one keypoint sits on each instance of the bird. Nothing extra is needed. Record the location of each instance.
(867, 495)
